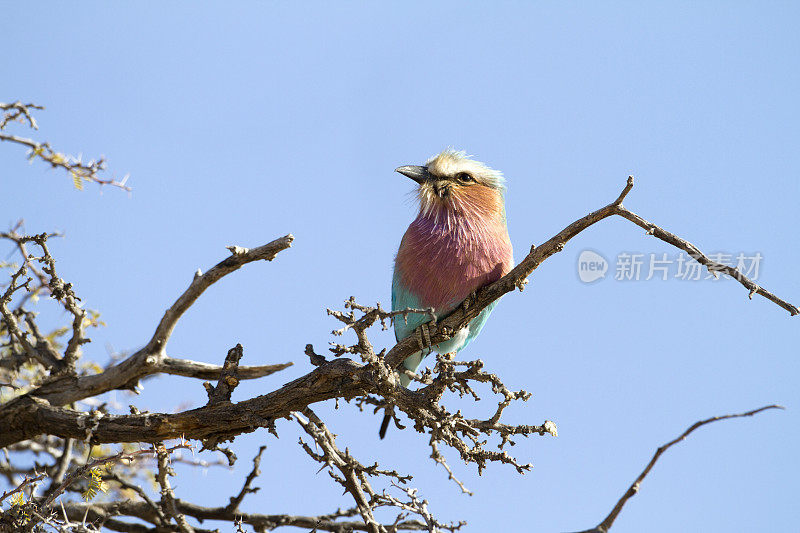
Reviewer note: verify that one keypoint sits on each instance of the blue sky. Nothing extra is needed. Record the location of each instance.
(241, 123)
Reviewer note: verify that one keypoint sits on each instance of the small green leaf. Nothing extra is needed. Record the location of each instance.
(77, 180)
(96, 484)
(17, 499)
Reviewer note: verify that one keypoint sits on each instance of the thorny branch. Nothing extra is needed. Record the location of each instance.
(18, 112)
(23, 485)
(22, 516)
(103, 513)
(79, 170)
(152, 358)
(247, 488)
(126, 457)
(168, 506)
(39, 349)
(47, 407)
(169, 513)
(354, 477)
(518, 276)
(424, 406)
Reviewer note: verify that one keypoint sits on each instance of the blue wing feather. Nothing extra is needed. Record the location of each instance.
(402, 298)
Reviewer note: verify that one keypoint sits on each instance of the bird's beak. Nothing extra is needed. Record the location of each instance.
(418, 174)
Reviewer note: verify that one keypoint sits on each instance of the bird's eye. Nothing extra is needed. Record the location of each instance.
(465, 177)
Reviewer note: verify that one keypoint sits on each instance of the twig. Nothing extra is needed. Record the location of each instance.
(163, 520)
(200, 370)
(101, 512)
(18, 111)
(63, 462)
(246, 489)
(167, 495)
(25, 482)
(80, 472)
(77, 169)
(228, 377)
(606, 524)
(352, 478)
(238, 258)
(152, 358)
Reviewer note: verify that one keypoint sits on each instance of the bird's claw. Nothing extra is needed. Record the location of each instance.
(447, 331)
(423, 336)
(469, 300)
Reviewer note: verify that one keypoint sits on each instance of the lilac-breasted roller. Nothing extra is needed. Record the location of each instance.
(457, 244)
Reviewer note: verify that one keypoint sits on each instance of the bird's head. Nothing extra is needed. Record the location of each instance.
(452, 182)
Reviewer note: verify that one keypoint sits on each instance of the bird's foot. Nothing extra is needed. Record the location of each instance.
(447, 331)
(423, 336)
(469, 300)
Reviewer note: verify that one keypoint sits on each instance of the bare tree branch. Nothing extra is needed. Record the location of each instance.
(101, 512)
(238, 258)
(45, 357)
(246, 488)
(79, 171)
(354, 477)
(228, 377)
(59, 290)
(517, 277)
(22, 486)
(167, 495)
(81, 472)
(18, 112)
(339, 378)
(45, 408)
(152, 358)
(606, 524)
(199, 370)
(352, 472)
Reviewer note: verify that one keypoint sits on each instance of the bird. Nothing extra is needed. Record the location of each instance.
(457, 244)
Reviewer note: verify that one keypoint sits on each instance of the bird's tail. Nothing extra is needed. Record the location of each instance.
(411, 363)
(384, 425)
